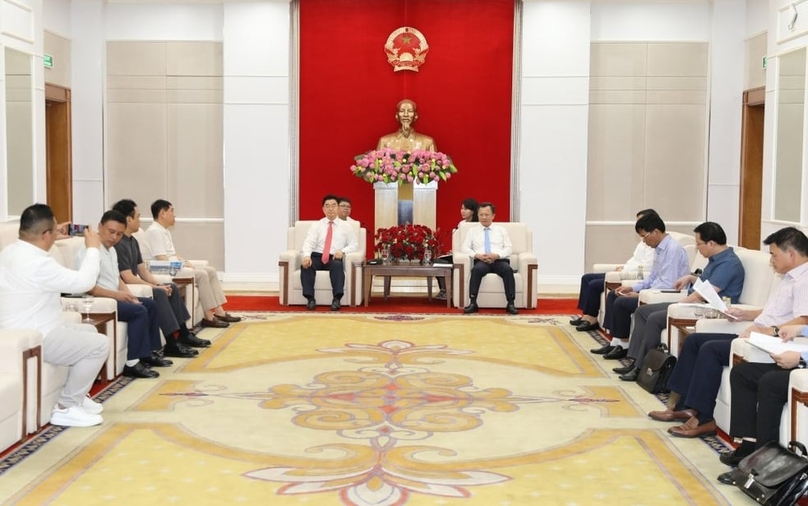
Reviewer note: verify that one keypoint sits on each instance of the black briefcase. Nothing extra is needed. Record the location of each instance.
(656, 369)
(773, 475)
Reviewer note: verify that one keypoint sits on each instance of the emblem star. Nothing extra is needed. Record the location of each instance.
(406, 39)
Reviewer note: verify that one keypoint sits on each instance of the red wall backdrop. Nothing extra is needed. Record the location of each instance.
(348, 96)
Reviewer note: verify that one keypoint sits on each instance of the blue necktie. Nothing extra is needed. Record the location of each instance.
(487, 240)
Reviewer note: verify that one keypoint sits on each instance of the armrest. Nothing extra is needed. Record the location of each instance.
(350, 258)
(749, 352)
(13, 342)
(293, 257)
(141, 290)
(165, 278)
(721, 326)
(198, 263)
(655, 296)
(526, 259)
(100, 304)
(605, 267)
(620, 277)
(462, 259)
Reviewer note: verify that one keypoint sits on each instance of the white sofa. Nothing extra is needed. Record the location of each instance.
(523, 261)
(291, 290)
(20, 352)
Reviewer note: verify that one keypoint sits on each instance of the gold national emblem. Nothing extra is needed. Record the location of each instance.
(406, 49)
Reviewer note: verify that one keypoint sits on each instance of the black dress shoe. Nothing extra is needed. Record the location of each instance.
(727, 478)
(139, 371)
(731, 459)
(214, 323)
(632, 375)
(156, 361)
(179, 350)
(471, 308)
(624, 369)
(311, 304)
(576, 321)
(587, 326)
(606, 348)
(511, 309)
(335, 304)
(190, 339)
(227, 317)
(616, 354)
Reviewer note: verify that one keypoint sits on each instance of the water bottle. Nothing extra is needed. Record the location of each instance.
(639, 272)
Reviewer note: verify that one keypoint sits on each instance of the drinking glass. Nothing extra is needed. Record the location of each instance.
(386, 260)
(698, 311)
(427, 256)
(87, 305)
(710, 313)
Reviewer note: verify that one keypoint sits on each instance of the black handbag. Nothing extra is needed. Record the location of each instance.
(656, 369)
(773, 475)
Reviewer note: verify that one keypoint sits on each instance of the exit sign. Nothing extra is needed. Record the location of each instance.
(48, 61)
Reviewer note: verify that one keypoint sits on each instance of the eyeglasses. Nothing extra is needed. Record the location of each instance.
(646, 235)
(347, 206)
(700, 243)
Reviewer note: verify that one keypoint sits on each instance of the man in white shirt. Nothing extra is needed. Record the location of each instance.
(31, 284)
(324, 249)
(345, 210)
(161, 246)
(140, 313)
(489, 246)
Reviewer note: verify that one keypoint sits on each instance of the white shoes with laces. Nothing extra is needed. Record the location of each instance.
(92, 407)
(86, 415)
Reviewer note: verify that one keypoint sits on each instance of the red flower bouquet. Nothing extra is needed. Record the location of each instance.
(407, 242)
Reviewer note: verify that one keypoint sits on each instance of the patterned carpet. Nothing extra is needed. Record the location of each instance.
(375, 410)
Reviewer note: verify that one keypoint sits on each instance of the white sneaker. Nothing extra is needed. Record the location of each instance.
(92, 407)
(74, 416)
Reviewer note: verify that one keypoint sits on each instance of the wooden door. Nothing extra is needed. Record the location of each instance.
(751, 167)
(58, 152)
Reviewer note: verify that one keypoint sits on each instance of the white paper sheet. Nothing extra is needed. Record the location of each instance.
(775, 345)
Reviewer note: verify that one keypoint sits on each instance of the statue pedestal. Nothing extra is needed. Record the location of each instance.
(424, 204)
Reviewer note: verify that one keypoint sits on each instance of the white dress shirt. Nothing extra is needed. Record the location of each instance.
(343, 238)
(31, 284)
(498, 236)
(643, 255)
(159, 240)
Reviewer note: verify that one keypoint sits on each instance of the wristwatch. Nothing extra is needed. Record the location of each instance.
(776, 331)
(801, 365)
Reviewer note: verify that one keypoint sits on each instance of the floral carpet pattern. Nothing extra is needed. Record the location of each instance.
(377, 410)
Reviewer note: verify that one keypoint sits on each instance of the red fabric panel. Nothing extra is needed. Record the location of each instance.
(348, 95)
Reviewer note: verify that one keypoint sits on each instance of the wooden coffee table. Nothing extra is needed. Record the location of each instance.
(390, 271)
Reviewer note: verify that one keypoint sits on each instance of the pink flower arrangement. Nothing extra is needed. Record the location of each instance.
(395, 166)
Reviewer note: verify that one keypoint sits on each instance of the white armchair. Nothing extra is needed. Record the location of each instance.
(291, 290)
(184, 279)
(492, 293)
(19, 352)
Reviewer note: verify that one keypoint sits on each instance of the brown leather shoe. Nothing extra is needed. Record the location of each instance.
(218, 324)
(670, 415)
(691, 428)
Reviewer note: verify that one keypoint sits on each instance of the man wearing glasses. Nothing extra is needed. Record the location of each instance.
(670, 264)
(324, 249)
(344, 212)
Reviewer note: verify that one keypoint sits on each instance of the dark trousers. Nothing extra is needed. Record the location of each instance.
(697, 375)
(446, 259)
(649, 322)
(617, 318)
(142, 332)
(335, 270)
(171, 311)
(589, 295)
(502, 268)
(759, 392)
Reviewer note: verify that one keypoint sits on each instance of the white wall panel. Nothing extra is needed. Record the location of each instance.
(555, 38)
(257, 90)
(17, 21)
(87, 48)
(632, 21)
(555, 90)
(727, 59)
(164, 22)
(56, 17)
(757, 16)
(257, 39)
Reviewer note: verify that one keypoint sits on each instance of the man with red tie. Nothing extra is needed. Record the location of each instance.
(325, 246)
